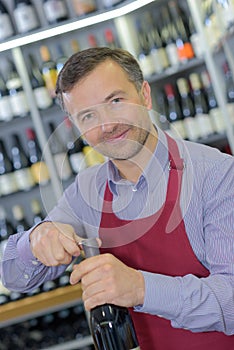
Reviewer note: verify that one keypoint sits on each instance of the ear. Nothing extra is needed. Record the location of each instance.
(146, 95)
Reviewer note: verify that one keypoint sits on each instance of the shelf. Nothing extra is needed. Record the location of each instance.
(37, 305)
(73, 345)
(71, 25)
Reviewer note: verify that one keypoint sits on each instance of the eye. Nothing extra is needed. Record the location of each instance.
(87, 117)
(116, 100)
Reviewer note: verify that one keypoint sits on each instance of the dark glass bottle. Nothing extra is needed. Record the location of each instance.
(200, 106)
(42, 96)
(21, 223)
(18, 100)
(37, 165)
(60, 59)
(111, 325)
(174, 114)
(36, 211)
(6, 26)
(187, 109)
(25, 16)
(55, 10)
(8, 182)
(21, 165)
(6, 229)
(48, 70)
(6, 113)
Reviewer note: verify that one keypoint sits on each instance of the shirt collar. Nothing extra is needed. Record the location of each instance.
(152, 174)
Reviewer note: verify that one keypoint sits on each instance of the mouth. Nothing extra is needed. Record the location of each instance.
(117, 137)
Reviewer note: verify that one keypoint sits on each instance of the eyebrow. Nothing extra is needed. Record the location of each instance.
(106, 99)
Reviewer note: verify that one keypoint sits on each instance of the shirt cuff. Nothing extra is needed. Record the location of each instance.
(162, 295)
(23, 246)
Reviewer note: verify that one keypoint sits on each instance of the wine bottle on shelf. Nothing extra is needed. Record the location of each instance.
(110, 38)
(184, 47)
(84, 7)
(42, 97)
(48, 70)
(194, 38)
(92, 40)
(225, 9)
(59, 153)
(21, 223)
(214, 110)
(18, 100)
(211, 26)
(74, 146)
(8, 182)
(60, 59)
(144, 57)
(25, 16)
(6, 229)
(157, 51)
(36, 211)
(38, 166)
(187, 108)
(6, 26)
(55, 11)
(111, 325)
(174, 114)
(200, 106)
(168, 33)
(75, 47)
(4, 294)
(6, 113)
(229, 85)
(21, 165)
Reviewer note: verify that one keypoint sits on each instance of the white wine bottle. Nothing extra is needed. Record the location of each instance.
(111, 325)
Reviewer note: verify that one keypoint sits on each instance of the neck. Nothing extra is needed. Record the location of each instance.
(131, 169)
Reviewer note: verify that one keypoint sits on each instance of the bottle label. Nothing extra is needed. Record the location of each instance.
(25, 18)
(63, 166)
(24, 179)
(6, 29)
(77, 161)
(158, 67)
(8, 184)
(163, 57)
(217, 120)
(146, 64)
(43, 99)
(205, 125)
(54, 10)
(82, 7)
(230, 107)
(19, 104)
(172, 54)
(40, 173)
(178, 129)
(192, 129)
(6, 113)
(50, 78)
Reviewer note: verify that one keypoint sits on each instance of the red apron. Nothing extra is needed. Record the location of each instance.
(160, 248)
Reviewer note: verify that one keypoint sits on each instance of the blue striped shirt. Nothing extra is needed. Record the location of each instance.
(207, 204)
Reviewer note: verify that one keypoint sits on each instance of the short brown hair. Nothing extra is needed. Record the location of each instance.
(80, 64)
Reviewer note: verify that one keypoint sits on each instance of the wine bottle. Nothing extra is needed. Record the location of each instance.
(211, 26)
(168, 32)
(74, 146)
(184, 47)
(174, 114)
(8, 182)
(25, 16)
(6, 26)
(110, 38)
(111, 325)
(6, 229)
(59, 153)
(83, 7)
(55, 10)
(195, 39)
(157, 51)
(60, 59)
(229, 87)
(110, 3)
(191, 125)
(21, 165)
(4, 294)
(49, 70)
(144, 57)
(42, 97)
(225, 9)
(214, 110)
(200, 106)
(18, 100)
(6, 113)
(21, 223)
(36, 211)
(92, 40)
(38, 167)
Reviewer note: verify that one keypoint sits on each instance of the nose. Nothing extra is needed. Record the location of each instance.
(106, 121)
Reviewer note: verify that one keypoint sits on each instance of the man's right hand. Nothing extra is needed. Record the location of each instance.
(54, 243)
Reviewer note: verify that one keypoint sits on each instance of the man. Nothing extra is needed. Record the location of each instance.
(163, 209)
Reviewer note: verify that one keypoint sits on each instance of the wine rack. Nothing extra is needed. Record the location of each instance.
(121, 20)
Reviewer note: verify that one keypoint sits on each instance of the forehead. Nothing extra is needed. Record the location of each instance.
(107, 77)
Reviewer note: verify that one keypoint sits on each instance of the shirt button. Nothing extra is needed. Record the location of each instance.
(26, 276)
(34, 262)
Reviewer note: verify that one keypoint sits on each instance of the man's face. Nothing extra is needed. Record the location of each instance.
(109, 111)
